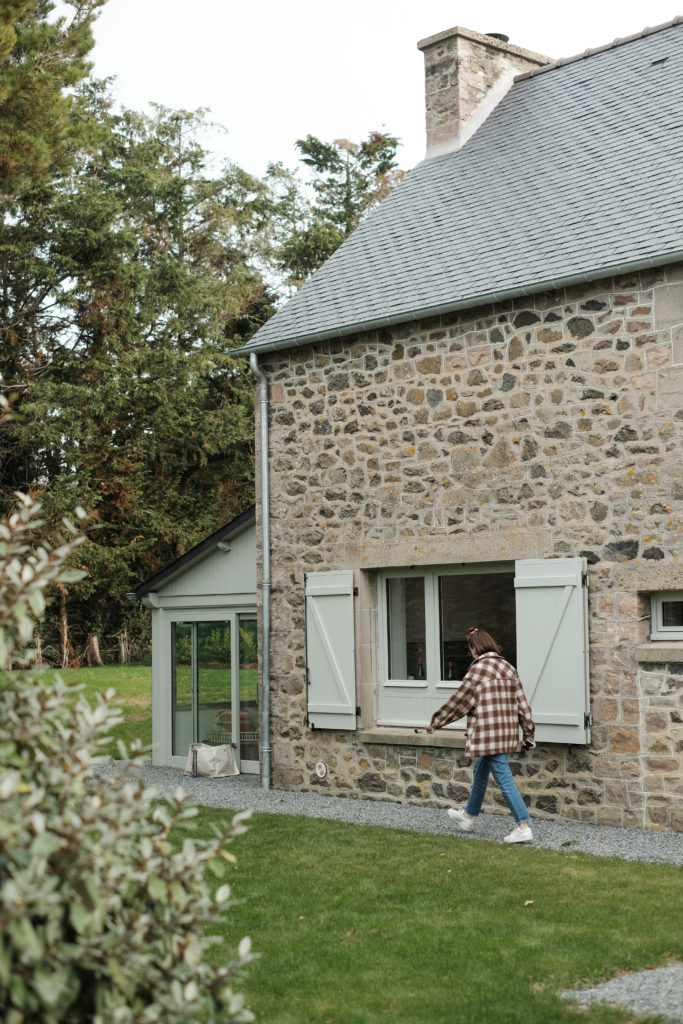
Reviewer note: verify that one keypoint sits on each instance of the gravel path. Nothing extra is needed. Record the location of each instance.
(240, 792)
(659, 991)
(654, 992)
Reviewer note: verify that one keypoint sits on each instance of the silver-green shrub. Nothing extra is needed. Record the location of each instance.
(103, 911)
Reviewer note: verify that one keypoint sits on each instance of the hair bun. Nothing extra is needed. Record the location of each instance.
(472, 629)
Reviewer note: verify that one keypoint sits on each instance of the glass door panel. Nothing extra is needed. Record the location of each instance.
(181, 686)
(214, 683)
(248, 693)
(215, 686)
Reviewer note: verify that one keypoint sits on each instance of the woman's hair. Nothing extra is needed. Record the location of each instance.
(481, 642)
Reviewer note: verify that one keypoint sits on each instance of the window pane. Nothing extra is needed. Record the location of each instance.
(249, 717)
(486, 600)
(672, 614)
(181, 682)
(214, 713)
(406, 604)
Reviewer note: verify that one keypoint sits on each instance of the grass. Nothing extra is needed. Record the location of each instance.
(133, 685)
(364, 925)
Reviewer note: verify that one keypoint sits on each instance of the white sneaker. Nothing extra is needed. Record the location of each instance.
(461, 819)
(519, 835)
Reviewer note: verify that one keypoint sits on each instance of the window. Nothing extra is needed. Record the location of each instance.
(427, 613)
(667, 615)
(537, 610)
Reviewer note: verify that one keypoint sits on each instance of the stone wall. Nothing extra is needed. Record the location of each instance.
(548, 426)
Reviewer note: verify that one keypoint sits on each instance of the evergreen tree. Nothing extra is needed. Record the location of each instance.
(141, 415)
(313, 217)
(40, 59)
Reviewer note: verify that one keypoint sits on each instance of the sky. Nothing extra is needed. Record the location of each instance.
(273, 71)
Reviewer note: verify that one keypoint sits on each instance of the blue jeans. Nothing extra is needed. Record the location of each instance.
(496, 764)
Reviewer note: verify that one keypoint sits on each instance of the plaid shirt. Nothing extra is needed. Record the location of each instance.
(492, 697)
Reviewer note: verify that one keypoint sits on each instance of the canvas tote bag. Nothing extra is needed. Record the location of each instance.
(207, 760)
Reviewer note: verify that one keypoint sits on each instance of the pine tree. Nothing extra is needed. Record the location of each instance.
(313, 216)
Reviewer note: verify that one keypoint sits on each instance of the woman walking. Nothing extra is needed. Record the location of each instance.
(492, 697)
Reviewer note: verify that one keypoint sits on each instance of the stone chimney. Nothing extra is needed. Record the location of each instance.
(466, 76)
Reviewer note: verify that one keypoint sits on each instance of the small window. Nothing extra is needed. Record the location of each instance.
(667, 615)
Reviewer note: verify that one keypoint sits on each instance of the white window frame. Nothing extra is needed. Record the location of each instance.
(423, 697)
(551, 622)
(658, 631)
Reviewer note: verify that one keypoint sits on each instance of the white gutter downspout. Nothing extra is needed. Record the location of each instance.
(264, 745)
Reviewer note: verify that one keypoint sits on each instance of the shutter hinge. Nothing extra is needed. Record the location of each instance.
(587, 721)
(584, 578)
(355, 591)
(358, 711)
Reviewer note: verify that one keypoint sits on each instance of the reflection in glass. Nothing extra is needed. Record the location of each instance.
(249, 718)
(201, 683)
(672, 614)
(486, 600)
(181, 686)
(406, 617)
(214, 682)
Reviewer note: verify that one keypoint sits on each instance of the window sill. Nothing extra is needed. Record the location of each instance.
(659, 651)
(394, 736)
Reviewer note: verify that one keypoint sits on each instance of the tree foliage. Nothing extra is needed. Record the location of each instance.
(129, 269)
(103, 915)
(144, 416)
(124, 285)
(313, 216)
(40, 59)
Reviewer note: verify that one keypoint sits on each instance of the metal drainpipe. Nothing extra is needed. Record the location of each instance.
(265, 574)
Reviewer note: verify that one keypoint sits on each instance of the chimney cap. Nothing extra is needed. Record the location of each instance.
(498, 35)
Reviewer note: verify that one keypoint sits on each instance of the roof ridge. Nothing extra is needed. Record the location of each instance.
(599, 49)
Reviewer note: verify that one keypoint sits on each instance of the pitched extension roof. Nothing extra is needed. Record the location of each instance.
(201, 550)
(576, 174)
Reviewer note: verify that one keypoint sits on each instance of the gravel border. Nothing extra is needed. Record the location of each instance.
(659, 991)
(654, 992)
(240, 792)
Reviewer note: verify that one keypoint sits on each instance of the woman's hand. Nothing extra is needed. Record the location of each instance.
(430, 728)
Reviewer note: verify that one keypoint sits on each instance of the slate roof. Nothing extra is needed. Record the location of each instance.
(576, 174)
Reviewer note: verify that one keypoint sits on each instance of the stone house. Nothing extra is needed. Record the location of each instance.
(473, 414)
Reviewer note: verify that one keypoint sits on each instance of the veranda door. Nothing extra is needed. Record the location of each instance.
(214, 686)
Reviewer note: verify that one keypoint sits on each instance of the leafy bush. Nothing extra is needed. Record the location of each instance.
(103, 912)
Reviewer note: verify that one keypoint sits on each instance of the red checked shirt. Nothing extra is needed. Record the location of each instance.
(492, 697)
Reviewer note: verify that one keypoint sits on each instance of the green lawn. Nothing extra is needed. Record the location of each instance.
(361, 925)
(364, 925)
(133, 685)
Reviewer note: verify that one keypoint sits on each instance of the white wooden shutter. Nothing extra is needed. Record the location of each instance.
(552, 646)
(330, 650)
